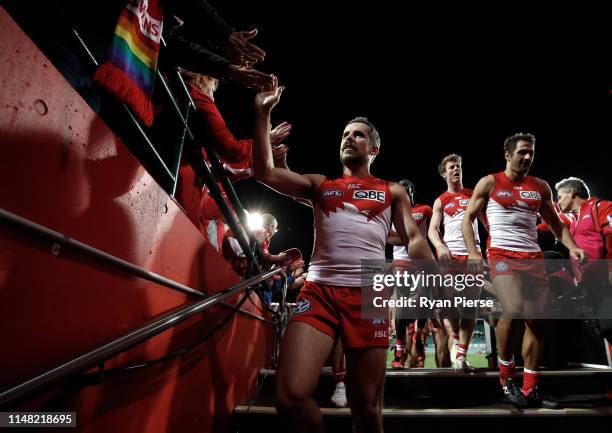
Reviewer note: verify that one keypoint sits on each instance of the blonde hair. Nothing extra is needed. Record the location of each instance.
(452, 157)
(204, 82)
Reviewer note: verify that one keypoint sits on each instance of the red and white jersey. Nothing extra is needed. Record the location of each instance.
(420, 214)
(512, 212)
(454, 205)
(352, 218)
(587, 232)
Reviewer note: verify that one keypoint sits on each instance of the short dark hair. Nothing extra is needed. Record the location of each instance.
(374, 135)
(575, 183)
(409, 187)
(511, 142)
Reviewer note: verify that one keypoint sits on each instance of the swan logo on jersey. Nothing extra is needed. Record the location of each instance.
(503, 194)
(501, 266)
(463, 202)
(333, 193)
(370, 194)
(533, 195)
(302, 306)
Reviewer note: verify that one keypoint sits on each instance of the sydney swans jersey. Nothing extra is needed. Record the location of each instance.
(512, 212)
(352, 219)
(420, 214)
(453, 209)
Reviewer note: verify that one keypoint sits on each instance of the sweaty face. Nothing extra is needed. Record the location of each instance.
(453, 171)
(522, 157)
(565, 198)
(356, 144)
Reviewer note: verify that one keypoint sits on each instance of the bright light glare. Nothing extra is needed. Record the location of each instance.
(254, 220)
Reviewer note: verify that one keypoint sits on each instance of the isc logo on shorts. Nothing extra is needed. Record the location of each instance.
(530, 194)
(332, 193)
(302, 306)
(370, 194)
(501, 266)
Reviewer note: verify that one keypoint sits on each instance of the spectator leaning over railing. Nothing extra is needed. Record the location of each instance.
(236, 154)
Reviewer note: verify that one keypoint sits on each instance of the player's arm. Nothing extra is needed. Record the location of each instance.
(475, 207)
(560, 230)
(425, 224)
(433, 232)
(282, 180)
(394, 239)
(406, 228)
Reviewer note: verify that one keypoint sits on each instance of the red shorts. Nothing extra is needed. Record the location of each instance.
(529, 267)
(337, 310)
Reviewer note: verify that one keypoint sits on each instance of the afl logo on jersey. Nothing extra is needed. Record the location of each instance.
(503, 194)
(530, 195)
(464, 202)
(302, 306)
(332, 193)
(370, 194)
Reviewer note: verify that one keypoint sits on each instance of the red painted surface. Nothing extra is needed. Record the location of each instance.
(60, 166)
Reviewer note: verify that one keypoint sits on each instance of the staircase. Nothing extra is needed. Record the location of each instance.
(436, 397)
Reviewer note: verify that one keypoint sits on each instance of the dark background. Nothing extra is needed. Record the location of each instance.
(434, 81)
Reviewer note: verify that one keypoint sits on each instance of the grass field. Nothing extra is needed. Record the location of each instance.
(477, 360)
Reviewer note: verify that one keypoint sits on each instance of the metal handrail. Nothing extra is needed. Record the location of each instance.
(214, 158)
(133, 118)
(211, 177)
(210, 180)
(247, 313)
(61, 240)
(212, 154)
(129, 340)
(237, 225)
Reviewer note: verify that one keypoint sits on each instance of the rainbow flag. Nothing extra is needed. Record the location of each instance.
(129, 70)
